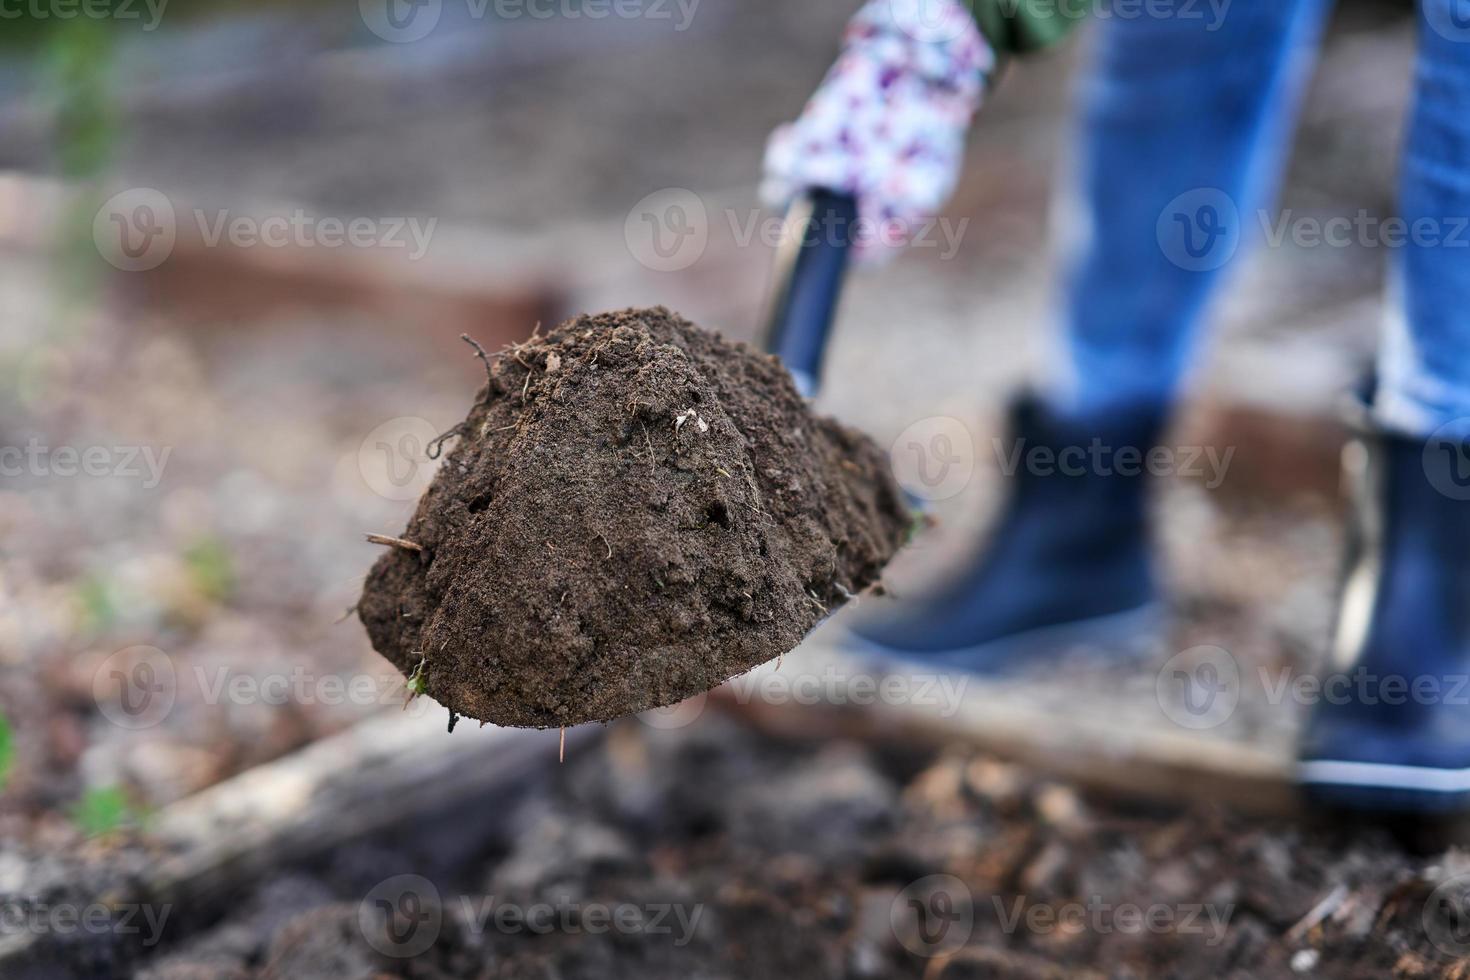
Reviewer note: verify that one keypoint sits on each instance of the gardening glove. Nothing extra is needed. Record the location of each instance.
(888, 123)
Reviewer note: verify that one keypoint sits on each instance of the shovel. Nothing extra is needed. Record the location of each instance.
(810, 265)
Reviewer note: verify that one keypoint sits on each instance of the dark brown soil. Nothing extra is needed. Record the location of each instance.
(796, 860)
(636, 510)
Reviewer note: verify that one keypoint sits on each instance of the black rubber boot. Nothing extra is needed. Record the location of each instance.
(1390, 729)
(1068, 562)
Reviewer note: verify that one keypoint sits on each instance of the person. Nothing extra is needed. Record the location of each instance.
(1184, 125)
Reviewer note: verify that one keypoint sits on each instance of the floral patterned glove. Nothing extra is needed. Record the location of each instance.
(888, 123)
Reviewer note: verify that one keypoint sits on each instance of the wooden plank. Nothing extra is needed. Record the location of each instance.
(1089, 747)
(388, 770)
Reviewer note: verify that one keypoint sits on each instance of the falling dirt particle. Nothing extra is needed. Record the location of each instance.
(561, 752)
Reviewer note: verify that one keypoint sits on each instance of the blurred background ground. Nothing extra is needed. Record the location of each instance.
(293, 390)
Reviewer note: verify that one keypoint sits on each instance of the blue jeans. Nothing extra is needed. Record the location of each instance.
(1185, 124)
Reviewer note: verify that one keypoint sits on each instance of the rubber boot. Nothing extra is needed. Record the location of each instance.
(1390, 727)
(1068, 562)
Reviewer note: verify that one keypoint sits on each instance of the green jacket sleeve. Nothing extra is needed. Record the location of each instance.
(1019, 26)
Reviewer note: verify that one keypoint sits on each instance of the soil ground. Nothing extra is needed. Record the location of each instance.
(736, 856)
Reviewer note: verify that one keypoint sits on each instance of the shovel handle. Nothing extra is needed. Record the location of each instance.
(810, 265)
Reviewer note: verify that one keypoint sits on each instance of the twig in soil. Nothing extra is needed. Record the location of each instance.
(607, 544)
(1318, 914)
(384, 539)
(479, 352)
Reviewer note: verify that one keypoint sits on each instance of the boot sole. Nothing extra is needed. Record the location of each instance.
(1384, 786)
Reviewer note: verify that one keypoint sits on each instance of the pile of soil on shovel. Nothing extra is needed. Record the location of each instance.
(635, 511)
